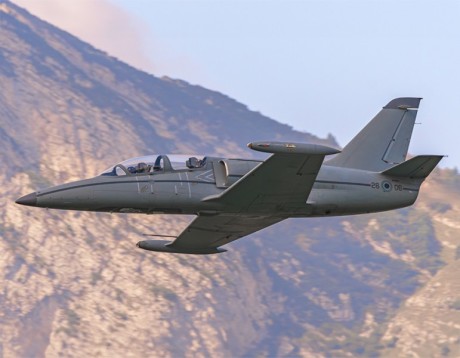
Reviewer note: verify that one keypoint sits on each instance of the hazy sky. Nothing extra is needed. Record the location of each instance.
(320, 66)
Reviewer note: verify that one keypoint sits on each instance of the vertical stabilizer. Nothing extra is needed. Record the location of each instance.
(384, 141)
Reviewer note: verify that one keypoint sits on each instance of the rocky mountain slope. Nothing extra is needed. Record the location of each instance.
(74, 284)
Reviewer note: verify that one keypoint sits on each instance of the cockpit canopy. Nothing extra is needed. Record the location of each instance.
(151, 164)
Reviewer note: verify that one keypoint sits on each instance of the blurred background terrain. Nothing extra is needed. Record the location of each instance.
(384, 284)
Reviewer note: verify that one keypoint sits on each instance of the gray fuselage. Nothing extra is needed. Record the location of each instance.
(336, 191)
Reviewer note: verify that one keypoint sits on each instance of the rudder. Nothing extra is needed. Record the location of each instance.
(385, 139)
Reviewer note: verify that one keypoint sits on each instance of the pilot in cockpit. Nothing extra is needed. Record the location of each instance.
(143, 168)
(132, 170)
(193, 162)
(139, 168)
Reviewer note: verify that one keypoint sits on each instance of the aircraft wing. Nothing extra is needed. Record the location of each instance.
(281, 184)
(210, 232)
(206, 233)
(266, 195)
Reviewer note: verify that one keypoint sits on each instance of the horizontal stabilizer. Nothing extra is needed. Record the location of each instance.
(418, 167)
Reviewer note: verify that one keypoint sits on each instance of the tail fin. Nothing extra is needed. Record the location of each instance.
(384, 141)
(418, 167)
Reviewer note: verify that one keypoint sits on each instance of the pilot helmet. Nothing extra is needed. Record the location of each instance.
(142, 167)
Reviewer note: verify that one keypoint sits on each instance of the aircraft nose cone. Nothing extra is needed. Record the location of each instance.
(29, 199)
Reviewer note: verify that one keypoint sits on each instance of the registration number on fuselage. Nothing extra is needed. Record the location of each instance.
(386, 186)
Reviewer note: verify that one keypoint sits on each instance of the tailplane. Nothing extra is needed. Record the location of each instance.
(384, 141)
(418, 167)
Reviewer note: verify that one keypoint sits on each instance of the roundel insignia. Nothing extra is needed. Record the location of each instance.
(386, 186)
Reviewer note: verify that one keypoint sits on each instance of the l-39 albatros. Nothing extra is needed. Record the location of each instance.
(232, 198)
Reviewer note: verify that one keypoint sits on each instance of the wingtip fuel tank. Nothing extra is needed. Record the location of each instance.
(294, 148)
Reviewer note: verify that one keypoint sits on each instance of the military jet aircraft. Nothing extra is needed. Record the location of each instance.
(232, 198)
